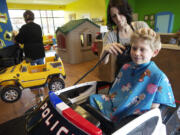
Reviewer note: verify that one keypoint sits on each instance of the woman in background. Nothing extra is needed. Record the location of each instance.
(30, 35)
(117, 40)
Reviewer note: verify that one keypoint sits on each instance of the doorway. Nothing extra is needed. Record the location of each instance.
(164, 22)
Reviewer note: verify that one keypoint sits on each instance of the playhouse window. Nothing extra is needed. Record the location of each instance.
(82, 40)
(61, 41)
(89, 39)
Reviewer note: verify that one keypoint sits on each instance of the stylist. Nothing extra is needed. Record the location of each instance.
(117, 40)
(30, 35)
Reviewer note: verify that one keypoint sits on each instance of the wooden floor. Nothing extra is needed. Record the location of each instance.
(29, 97)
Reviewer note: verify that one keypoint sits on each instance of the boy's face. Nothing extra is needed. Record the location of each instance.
(141, 52)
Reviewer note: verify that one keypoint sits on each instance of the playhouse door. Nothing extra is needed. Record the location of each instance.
(164, 22)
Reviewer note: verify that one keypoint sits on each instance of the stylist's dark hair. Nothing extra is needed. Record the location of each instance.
(28, 15)
(123, 7)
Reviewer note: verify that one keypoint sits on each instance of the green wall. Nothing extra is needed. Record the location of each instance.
(146, 7)
(132, 4)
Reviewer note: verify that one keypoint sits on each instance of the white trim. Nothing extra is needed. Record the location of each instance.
(160, 128)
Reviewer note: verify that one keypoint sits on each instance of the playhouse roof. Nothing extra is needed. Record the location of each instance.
(71, 25)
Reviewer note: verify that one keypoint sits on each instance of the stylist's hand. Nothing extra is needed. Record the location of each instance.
(114, 48)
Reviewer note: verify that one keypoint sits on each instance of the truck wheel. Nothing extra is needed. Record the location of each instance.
(10, 94)
(56, 84)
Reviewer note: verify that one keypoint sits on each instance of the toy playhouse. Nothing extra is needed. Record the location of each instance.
(74, 40)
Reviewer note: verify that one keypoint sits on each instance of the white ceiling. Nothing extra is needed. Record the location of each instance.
(46, 2)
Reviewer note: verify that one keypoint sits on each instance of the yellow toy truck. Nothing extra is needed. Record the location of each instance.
(18, 77)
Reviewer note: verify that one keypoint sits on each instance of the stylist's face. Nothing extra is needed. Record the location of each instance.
(118, 18)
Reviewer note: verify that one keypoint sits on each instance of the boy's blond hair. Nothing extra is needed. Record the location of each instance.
(148, 35)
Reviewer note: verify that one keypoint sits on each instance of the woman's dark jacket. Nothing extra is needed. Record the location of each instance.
(30, 35)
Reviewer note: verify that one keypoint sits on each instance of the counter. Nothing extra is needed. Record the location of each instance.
(171, 46)
(168, 61)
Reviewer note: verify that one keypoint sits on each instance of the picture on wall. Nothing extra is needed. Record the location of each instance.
(146, 17)
(149, 19)
(152, 23)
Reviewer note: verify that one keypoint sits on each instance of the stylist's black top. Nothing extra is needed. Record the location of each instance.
(124, 57)
(30, 35)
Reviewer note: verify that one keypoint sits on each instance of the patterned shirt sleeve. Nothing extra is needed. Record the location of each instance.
(164, 94)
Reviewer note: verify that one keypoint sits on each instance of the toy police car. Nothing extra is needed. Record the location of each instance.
(67, 112)
(15, 78)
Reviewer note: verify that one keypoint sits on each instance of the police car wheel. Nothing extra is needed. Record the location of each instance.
(10, 94)
(56, 84)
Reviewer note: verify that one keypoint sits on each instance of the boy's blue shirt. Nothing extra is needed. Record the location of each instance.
(137, 87)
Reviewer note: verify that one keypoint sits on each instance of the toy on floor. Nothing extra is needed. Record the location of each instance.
(18, 77)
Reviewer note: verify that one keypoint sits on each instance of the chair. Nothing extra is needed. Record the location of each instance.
(78, 94)
(10, 56)
(108, 125)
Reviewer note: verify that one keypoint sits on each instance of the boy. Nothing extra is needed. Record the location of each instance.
(140, 85)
